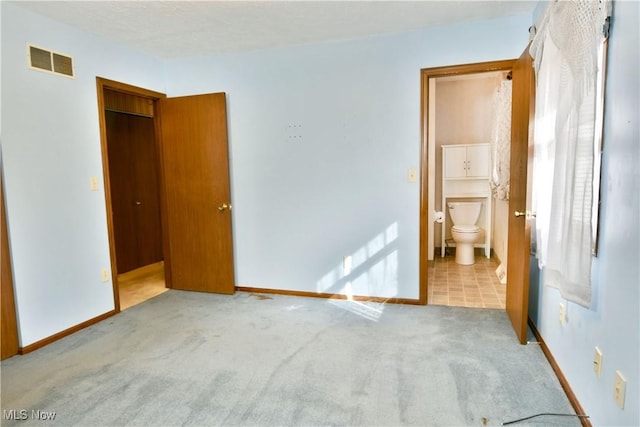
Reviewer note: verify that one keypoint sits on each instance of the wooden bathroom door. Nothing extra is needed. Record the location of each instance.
(521, 166)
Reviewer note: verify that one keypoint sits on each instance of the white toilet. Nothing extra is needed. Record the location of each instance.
(465, 232)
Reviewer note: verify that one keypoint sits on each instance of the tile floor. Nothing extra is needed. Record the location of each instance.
(465, 285)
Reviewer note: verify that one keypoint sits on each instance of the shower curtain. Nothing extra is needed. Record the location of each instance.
(501, 141)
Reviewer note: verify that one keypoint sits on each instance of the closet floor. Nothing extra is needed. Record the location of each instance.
(474, 285)
(141, 284)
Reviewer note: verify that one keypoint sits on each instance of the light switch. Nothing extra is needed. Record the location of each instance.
(412, 176)
(93, 185)
(619, 389)
(597, 362)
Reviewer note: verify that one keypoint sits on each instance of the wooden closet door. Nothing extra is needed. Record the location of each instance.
(134, 190)
(122, 191)
(146, 194)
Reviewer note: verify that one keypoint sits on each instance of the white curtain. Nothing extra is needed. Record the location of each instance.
(565, 52)
(501, 141)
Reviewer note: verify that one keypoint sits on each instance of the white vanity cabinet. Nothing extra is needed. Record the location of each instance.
(466, 161)
(465, 175)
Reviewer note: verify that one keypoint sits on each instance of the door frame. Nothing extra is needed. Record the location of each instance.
(9, 339)
(425, 75)
(103, 84)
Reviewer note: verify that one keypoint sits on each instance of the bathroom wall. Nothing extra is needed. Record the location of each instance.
(464, 115)
(500, 230)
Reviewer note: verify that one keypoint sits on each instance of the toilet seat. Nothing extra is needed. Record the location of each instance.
(465, 228)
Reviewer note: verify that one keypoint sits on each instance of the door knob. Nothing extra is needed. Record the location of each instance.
(138, 203)
(223, 207)
(527, 214)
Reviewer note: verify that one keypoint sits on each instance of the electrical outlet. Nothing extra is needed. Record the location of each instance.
(93, 183)
(562, 314)
(346, 265)
(412, 176)
(597, 362)
(619, 389)
(105, 275)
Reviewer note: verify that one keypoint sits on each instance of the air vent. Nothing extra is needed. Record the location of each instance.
(52, 62)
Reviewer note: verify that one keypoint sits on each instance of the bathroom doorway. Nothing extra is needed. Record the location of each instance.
(459, 112)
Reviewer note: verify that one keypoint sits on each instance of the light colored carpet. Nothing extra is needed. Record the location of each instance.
(185, 358)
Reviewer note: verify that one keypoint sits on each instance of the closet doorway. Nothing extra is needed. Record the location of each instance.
(185, 234)
(135, 196)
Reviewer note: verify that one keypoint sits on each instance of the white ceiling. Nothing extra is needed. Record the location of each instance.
(172, 29)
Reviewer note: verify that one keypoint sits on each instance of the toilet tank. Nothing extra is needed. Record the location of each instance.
(464, 213)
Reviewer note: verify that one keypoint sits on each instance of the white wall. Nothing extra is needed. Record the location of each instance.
(612, 322)
(51, 148)
(340, 188)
